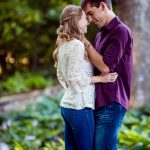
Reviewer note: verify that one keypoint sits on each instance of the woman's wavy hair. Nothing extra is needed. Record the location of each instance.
(68, 28)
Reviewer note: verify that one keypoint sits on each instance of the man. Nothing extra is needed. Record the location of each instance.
(114, 54)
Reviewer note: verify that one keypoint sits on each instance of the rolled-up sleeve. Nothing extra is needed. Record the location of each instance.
(115, 49)
(78, 80)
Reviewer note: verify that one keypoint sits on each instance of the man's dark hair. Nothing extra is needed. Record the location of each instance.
(96, 3)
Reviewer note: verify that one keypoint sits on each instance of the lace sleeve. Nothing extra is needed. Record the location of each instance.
(77, 79)
(61, 78)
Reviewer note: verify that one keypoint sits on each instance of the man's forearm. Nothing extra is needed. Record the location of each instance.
(97, 60)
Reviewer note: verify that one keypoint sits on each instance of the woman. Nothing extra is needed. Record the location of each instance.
(74, 72)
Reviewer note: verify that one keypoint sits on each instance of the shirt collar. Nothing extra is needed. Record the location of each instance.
(111, 24)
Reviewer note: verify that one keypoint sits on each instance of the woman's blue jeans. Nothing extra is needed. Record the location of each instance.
(108, 120)
(79, 128)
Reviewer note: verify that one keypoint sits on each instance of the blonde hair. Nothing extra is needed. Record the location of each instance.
(68, 28)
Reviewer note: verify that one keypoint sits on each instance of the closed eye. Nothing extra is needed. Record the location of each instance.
(89, 14)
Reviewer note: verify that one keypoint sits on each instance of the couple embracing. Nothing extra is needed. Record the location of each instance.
(96, 77)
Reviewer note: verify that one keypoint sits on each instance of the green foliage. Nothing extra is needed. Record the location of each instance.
(135, 132)
(53, 145)
(15, 84)
(59, 145)
(39, 126)
(18, 146)
(28, 30)
(24, 82)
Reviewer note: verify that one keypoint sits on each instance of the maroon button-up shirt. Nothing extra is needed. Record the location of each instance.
(118, 56)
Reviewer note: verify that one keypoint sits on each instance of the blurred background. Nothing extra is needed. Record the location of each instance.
(29, 91)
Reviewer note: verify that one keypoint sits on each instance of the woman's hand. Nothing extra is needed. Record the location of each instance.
(110, 77)
(104, 78)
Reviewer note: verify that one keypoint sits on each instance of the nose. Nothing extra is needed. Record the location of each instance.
(90, 19)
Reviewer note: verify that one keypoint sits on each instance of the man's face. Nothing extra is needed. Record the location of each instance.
(96, 15)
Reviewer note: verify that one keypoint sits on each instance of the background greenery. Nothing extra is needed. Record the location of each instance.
(40, 127)
(27, 40)
(28, 33)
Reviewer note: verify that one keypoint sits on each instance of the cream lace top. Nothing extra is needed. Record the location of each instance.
(74, 72)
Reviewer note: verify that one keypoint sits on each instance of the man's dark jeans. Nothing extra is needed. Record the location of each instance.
(108, 120)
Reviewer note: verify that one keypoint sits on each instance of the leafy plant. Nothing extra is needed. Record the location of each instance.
(55, 145)
(40, 127)
(18, 146)
(31, 129)
(24, 82)
(135, 132)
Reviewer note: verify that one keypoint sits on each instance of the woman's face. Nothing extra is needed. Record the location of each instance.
(83, 23)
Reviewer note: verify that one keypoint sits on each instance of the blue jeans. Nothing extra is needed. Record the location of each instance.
(108, 121)
(79, 128)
